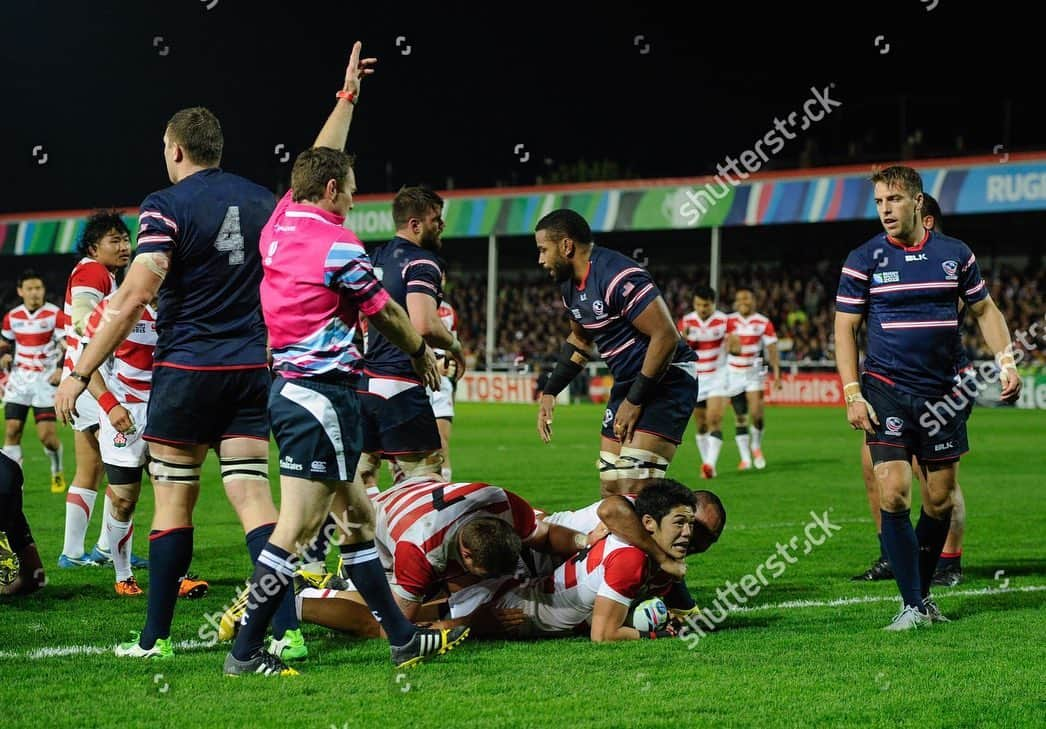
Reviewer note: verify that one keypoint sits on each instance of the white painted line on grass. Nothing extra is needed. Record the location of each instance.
(92, 650)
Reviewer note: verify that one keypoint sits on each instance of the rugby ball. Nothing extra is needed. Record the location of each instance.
(649, 615)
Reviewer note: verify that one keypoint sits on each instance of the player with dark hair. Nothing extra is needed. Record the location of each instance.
(32, 331)
(949, 567)
(21, 571)
(198, 253)
(748, 332)
(398, 420)
(704, 329)
(909, 282)
(614, 303)
(104, 249)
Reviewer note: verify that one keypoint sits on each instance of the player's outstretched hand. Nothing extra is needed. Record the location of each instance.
(65, 399)
(357, 69)
(1011, 384)
(427, 367)
(547, 405)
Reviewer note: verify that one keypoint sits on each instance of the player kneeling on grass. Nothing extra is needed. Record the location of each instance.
(21, 571)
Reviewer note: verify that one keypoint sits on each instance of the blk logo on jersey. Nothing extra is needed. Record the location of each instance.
(894, 426)
(915, 257)
(943, 446)
(951, 269)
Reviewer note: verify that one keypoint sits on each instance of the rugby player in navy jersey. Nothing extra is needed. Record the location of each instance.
(198, 252)
(614, 303)
(908, 282)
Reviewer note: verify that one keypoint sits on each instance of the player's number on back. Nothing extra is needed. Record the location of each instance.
(230, 239)
(440, 504)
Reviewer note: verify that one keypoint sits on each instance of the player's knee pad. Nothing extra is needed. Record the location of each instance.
(607, 465)
(415, 464)
(740, 403)
(247, 469)
(179, 473)
(123, 475)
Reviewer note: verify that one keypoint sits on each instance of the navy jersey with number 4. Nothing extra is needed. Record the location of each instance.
(210, 310)
(614, 292)
(403, 268)
(910, 297)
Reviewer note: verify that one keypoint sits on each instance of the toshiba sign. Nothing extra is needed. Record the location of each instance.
(806, 389)
(496, 387)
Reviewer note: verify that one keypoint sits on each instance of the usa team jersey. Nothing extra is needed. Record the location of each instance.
(317, 280)
(614, 291)
(754, 332)
(707, 338)
(35, 335)
(403, 268)
(417, 525)
(910, 297)
(210, 313)
(129, 374)
(611, 568)
(89, 278)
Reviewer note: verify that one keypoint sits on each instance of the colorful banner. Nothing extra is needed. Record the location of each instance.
(962, 186)
(813, 389)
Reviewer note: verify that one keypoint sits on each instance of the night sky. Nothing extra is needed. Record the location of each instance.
(92, 84)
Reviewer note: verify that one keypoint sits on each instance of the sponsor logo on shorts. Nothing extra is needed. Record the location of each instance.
(576, 313)
(894, 426)
(944, 446)
(119, 440)
(288, 463)
(951, 269)
(319, 466)
(608, 417)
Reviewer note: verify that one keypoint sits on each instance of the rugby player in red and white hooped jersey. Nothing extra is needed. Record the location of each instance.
(704, 329)
(443, 399)
(36, 366)
(105, 248)
(748, 332)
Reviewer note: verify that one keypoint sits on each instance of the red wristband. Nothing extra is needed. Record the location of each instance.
(108, 401)
(347, 95)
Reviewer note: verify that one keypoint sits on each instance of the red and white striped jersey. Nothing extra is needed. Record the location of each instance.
(35, 334)
(449, 317)
(754, 332)
(612, 568)
(707, 338)
(417, 523)
(91, 278)
(130, 374)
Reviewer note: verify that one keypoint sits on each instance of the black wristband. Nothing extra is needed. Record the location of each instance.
(82, 378)
(565, 371)
(421, 351)
(641, 389)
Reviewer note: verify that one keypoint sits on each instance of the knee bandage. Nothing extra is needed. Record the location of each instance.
(410, 466)
(180, 473)
(249, 469)
(631, 463)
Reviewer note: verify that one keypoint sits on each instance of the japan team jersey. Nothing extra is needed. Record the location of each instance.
(614, 291)
(35, 335)
(403, 268)
(611, 568)
(755, 332)
(317, 280)
(910, 296)
(129, 374)
(707, 338)
(417, 525)
(449, 317)
(89, 278)
(210, 313)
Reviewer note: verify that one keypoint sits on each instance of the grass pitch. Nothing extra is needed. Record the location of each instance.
(807, 650)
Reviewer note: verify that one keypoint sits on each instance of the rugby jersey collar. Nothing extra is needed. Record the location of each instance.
(307, 210)
(910, 249)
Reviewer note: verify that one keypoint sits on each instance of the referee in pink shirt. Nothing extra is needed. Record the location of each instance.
(317, 279)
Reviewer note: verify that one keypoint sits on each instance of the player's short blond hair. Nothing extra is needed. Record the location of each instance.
(314, 168)
(905, 178)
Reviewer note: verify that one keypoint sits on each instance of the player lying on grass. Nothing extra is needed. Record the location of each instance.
(21, 571)
(563, 599)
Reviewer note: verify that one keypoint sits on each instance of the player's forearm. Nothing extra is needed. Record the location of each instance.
(621, 520)
(994, 329)
(97, 386)
(659, 353)
(563, 541)
(775, 360)
(392, 321)
(335, 131)
(845, 350)
(120, 317)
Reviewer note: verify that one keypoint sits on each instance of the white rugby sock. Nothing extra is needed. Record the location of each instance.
(743, 447)
(757, 437)
(55, 458)
(14, 452)
(103, 535)
(702, 445)
(715, 444)
(79, 503)
(120, 535)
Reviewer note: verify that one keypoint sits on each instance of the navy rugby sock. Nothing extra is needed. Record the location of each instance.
(903, 551)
